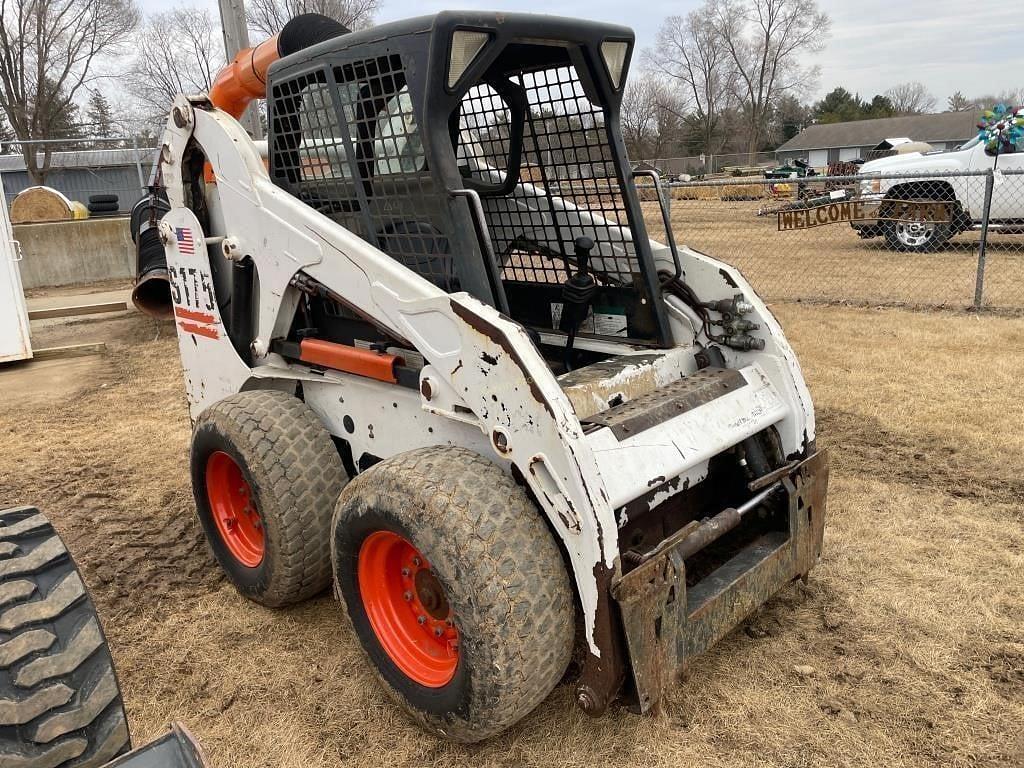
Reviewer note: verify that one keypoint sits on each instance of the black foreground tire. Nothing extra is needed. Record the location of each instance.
(271, 445)
(60, 704)
(503, 585)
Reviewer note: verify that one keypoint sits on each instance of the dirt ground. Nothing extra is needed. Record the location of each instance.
(905, 647)
(831, 263)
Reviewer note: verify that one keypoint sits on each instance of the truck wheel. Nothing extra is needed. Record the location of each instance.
(455, 588)
(60, 704)
(266, 475)
(915, 236)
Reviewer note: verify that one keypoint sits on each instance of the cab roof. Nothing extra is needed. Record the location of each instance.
(505, 26)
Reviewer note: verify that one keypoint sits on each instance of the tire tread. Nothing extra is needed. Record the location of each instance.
(290, 448)
(60, 704)
(506, 551)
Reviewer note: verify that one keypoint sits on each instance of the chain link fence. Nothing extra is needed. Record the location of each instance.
(710, 163)
(936, 240)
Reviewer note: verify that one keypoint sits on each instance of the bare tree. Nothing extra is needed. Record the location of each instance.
(688, 49)
(911, 98)
(768, 42)
(650, 116)
(1011, 97)
(268, 16)
(47, 52)
(638, 116)
(180, 51)
(959, 103)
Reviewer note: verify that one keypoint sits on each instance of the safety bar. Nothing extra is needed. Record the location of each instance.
(483, 235)
(665, 217)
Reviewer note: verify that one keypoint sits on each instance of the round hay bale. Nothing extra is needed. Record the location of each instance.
(37, 204)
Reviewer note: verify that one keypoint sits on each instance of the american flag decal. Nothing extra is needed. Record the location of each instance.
(186, 246)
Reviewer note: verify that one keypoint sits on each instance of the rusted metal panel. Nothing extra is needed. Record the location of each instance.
(667, 402)
(667, 623)
(175, 749)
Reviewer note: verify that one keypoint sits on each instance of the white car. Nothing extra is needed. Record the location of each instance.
(906, 217)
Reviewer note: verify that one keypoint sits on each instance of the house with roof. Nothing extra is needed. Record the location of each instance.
(823, 144)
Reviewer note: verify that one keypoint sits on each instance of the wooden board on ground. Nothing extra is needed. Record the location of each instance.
(71, 350)
(78, 309)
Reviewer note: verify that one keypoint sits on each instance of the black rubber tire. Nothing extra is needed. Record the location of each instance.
(939, 237)
(103, 207)
(501, 570)
(295, 473)
(103, 198)
(60, 703)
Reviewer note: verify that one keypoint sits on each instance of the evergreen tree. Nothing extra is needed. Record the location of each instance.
(59, 113)
(789, 117)
(841, 106)
(838, 106)
(880, 106)
(99, 117)
(959, 103)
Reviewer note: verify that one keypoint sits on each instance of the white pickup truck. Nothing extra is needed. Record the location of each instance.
(907, 215)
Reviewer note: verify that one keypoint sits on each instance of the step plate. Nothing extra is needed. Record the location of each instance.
(667, 402)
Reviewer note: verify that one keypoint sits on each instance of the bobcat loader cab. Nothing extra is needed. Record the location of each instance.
(431, 352)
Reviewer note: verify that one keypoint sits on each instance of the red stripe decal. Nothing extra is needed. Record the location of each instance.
(191, 314)
(199, 330)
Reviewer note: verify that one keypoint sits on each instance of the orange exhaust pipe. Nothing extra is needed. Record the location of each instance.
(245, 78)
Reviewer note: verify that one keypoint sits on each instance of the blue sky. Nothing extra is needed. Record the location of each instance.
(949, 45)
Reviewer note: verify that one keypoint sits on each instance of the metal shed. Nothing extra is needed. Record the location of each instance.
(80, 173)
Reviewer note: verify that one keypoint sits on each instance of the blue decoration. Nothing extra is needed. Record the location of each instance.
(1001, 128)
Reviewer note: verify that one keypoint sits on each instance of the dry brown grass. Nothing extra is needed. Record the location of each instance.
(912, 622)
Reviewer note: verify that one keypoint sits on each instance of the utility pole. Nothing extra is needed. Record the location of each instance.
(236, 37)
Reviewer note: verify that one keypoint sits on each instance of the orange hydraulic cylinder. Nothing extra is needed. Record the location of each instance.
(341, 357)
(245, 78)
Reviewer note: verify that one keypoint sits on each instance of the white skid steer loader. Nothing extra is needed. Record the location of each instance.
(432, 355)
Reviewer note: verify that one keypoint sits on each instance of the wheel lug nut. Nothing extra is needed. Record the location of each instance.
(405, 571)
(416, 561)
(407, 596)
(438, 632)
(421, 619)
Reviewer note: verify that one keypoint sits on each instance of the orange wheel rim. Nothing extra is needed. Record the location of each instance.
(234, 510)
(408, 609)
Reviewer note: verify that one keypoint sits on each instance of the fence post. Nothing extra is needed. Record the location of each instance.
(138, 163)
(979, 283)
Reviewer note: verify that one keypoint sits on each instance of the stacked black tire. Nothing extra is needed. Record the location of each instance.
(60, 704)
(103, 205)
